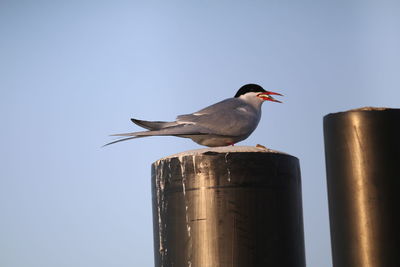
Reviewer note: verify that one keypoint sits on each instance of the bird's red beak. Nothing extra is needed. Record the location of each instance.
(267, 96)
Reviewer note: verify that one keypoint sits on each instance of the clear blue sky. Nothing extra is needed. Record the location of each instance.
(72, 72)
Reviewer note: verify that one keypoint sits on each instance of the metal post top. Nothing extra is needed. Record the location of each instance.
(363, 109)
(222, 150)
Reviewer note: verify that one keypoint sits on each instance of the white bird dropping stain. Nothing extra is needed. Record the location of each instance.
(227, 167)
(160, 185)
(183, 173)
(194, 164)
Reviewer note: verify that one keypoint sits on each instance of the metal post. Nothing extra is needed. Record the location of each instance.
(362, 150)
(232, 206)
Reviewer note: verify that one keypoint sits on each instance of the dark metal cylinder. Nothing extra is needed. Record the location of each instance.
(220, 209)
(362, 150)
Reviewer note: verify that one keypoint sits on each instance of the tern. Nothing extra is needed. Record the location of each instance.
(222, 124)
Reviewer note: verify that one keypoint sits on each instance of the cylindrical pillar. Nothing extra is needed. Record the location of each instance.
(231, 206)
(362, 150)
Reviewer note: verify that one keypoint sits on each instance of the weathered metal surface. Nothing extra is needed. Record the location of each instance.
(362, 150)
(241, 209)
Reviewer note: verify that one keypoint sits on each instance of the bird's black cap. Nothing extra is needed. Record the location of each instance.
(251, 87)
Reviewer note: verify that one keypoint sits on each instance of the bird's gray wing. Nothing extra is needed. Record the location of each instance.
(230, 117)
(224, 105)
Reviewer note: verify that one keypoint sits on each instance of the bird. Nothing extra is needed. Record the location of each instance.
(222, 124)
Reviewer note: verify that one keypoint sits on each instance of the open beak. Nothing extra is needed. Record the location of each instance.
(267, 96)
